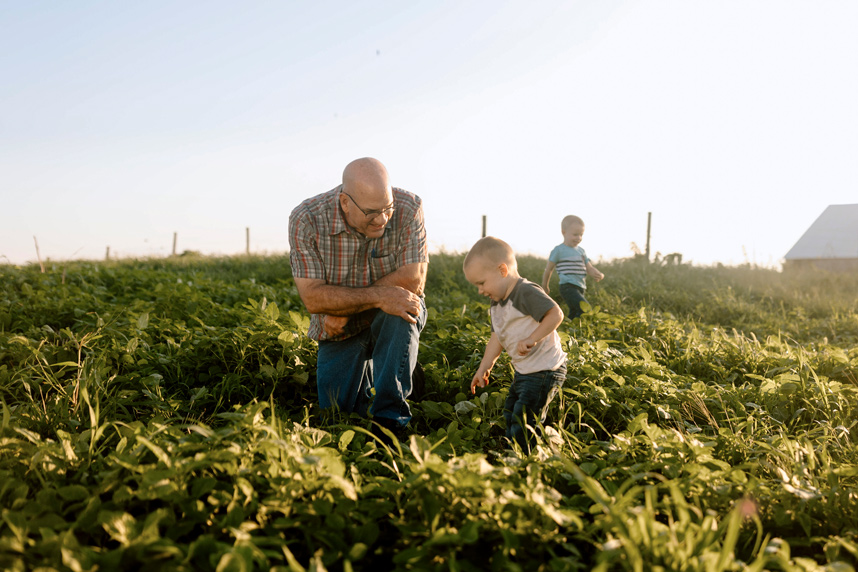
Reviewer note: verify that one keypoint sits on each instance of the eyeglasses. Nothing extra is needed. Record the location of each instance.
(372, 214)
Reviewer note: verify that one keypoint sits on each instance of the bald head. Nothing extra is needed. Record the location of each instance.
(366, 189)
(367, 178)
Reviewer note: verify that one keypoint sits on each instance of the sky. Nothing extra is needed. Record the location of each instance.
(122, 125)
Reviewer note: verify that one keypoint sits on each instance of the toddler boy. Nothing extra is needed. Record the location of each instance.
(524, 322)
(572, 264)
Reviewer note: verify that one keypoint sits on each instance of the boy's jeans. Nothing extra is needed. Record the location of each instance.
(383, 356)
(528, 399)
(573, 295)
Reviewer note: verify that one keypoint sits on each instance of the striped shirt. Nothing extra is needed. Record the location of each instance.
(323, 246)
(571, 264)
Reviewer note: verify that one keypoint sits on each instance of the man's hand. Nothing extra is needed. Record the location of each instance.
(334, 325)
(398, 301)
(395, 294)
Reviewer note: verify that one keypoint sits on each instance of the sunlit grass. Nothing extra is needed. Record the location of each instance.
(162, 413)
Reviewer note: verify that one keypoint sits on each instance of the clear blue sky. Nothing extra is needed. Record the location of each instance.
(734, 122)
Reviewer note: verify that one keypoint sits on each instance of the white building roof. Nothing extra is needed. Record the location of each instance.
(833, 235)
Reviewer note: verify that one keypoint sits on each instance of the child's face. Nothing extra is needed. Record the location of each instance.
(573, 234)
(492, 281)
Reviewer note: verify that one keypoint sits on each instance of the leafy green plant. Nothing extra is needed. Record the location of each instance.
(162, 413)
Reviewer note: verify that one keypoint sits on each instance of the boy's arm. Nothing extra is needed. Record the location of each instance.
(593, 272)
(549, 323)
(493, 352)
(546, 276)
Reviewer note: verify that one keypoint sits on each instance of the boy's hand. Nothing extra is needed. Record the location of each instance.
(524, 346)
(481, 379)
(598, 276)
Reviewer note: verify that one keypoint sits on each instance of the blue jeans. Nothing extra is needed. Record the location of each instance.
(528, 399)
(573, 295)
(382, 356)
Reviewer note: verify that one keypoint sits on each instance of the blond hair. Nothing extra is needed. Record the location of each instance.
(492, 251)
(569, 220)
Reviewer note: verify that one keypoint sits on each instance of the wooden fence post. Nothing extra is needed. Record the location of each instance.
(174, 243)
(38, 255)
(648, 227)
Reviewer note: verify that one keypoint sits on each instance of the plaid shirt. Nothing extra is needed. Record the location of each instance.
(323, 246)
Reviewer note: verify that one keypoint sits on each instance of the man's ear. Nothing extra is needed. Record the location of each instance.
(345, 206)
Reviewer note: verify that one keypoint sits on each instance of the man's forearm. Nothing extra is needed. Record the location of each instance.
(395, 293)
(411, 277)
(341, 300)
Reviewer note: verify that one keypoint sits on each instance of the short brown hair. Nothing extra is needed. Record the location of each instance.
(492, 250)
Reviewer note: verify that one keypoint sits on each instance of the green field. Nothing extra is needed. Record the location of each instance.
(161, 415)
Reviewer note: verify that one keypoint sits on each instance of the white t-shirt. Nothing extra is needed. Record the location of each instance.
(516, 317)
